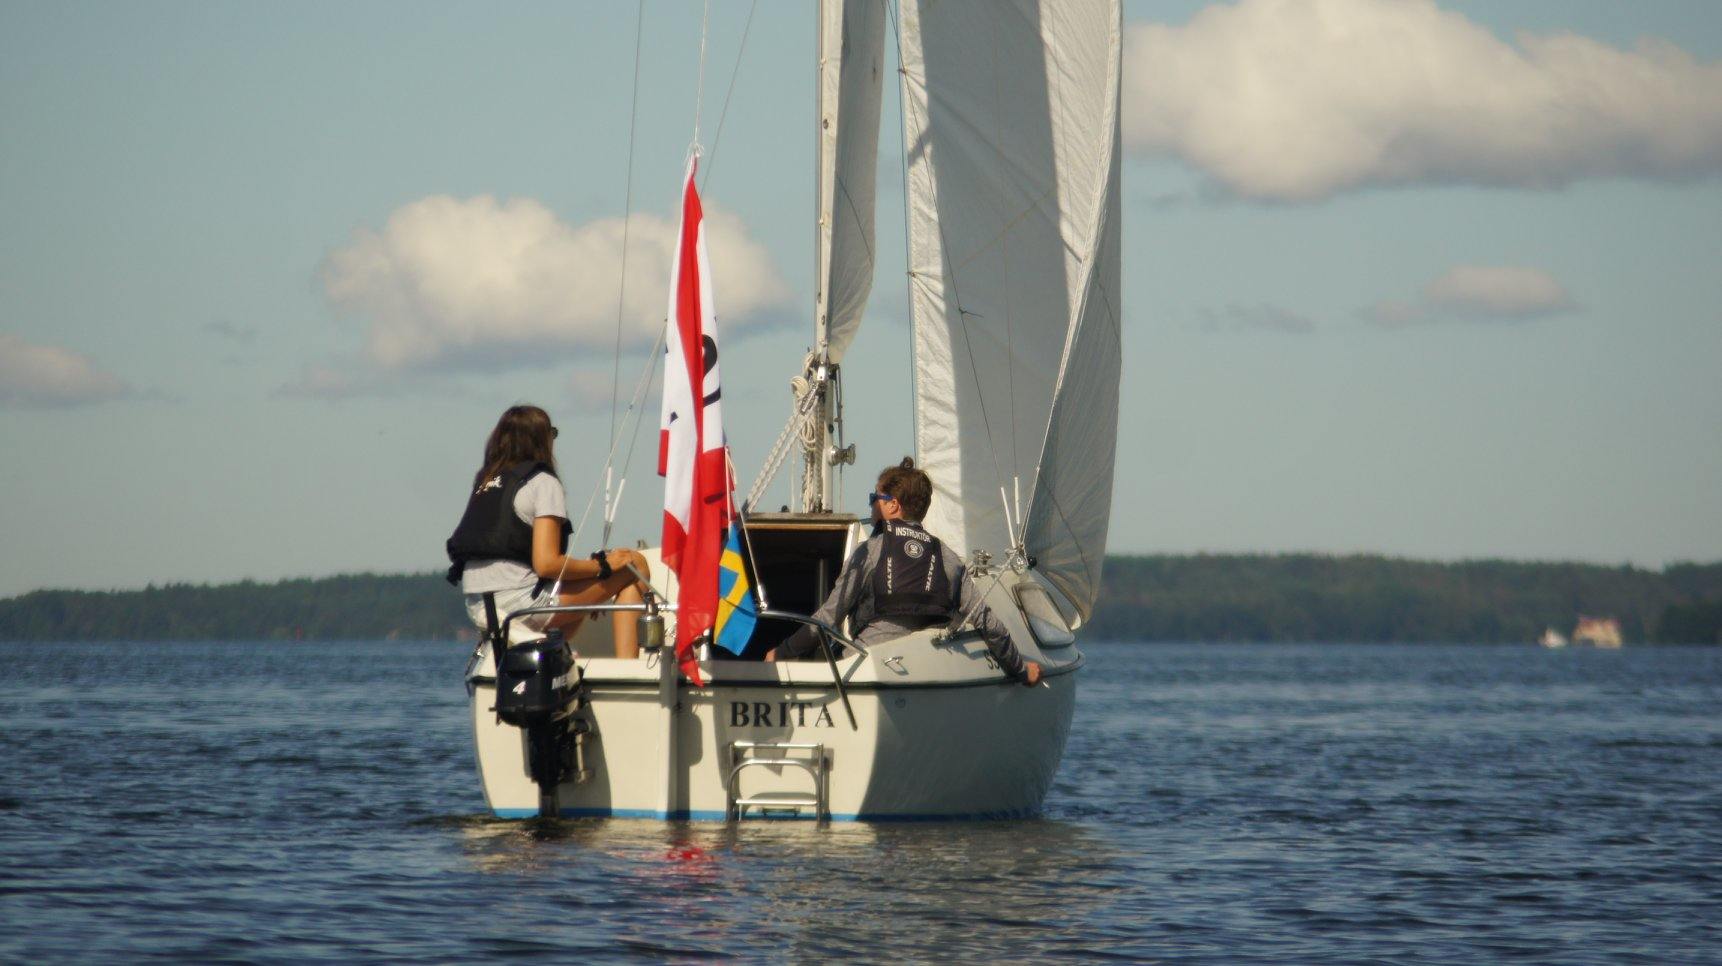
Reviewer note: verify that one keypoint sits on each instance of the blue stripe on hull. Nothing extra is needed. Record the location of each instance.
(711, 816)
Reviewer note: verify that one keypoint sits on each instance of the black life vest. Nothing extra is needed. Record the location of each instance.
(910, 580)
(490, 529)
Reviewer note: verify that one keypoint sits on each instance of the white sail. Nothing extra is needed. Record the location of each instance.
(1011, 130)
(852, 63)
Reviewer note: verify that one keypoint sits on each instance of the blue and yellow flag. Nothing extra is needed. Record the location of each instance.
(736, 611)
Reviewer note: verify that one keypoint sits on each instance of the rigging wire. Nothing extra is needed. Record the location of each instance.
(645, 386)
(644, 383)
(797, 427)
(711, 159)
(603, 483)
(627, 223)
(700, 89)
(634, 404)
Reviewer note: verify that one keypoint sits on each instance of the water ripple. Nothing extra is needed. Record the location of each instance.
(1220, 804)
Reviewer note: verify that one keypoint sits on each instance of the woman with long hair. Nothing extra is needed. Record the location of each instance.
(512, 542)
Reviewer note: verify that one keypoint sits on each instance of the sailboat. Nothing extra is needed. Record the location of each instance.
(1012, 165)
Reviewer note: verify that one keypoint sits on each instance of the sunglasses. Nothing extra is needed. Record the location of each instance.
(554, 432)
(873, 498)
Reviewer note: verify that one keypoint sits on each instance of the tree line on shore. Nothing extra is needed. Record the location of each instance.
(1375, 599)
(1220, 597)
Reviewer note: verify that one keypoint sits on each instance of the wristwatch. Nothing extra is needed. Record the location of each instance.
(603, 559)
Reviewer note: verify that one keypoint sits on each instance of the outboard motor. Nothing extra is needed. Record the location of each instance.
(539, 690)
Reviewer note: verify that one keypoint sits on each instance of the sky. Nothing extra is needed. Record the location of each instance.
(1439, 280)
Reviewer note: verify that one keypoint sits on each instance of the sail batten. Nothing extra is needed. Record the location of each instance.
(1011, 128)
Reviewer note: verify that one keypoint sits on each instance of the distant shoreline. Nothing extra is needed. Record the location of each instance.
(1196, 598)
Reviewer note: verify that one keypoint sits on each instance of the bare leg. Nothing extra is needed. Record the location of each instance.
(625, 625)
(569, 624)
(620, 587)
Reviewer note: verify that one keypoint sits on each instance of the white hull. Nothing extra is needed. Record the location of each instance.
(938, 734)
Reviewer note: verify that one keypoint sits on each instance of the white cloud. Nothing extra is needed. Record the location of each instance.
(1498, 292)
(47, 377)
(1480, 293)
(1292, 100)
(478, 283)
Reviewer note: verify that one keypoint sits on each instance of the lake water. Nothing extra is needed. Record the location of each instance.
(1221, 804)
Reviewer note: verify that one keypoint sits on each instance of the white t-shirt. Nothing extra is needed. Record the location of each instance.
(541, 496)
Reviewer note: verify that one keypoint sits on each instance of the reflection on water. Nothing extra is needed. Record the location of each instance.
(512, 846)
(761, 882)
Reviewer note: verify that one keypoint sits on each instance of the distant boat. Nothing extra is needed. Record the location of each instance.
(1552, 638)
(1603, 632)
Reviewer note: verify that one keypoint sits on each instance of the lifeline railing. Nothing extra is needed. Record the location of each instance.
(580, 609)
(827, 634)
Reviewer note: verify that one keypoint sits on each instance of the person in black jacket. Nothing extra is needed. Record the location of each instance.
(511, 546)
(903, 579)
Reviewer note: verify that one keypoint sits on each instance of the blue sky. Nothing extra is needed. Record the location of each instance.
(1431, 280)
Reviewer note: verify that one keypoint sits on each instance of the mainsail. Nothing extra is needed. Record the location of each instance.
(1011, 130)
(851, 64)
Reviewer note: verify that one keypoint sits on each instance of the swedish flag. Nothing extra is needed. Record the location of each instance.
(736, 612)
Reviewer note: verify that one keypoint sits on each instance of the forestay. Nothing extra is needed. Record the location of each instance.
(851, 65)
(1011, 130)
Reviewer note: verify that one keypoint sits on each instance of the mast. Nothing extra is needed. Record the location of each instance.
(849, 71)
(819, 176)
(820, 455)
(816, 492)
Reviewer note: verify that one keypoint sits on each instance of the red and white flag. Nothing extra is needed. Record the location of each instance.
(691, 456)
